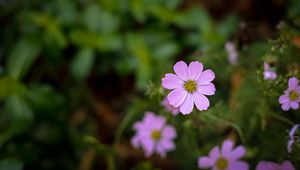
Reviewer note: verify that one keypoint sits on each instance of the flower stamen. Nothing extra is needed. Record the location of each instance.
(155, 135)
(294, 95)
(222, 163)
(190, 86)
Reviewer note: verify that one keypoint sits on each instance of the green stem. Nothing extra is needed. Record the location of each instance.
(239, 131)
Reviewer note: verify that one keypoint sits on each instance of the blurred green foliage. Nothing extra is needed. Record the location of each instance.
(50, 50)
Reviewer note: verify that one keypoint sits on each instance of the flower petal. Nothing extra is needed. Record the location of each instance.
(293, 130)
(238, 152)
(207, 89)
(177, 97)
(283, 98)
(148, 146)
(206, 77)
(285, 106)
(294, 105)
(169, 132)
(267, 165)
(201, 102)
(205, 162)
(214, 153)
(195, 69)
(181, 69)
(293, 83)
(227, 147)
(238, 165)
(172, 81)
(188, 105)
(290, 145)
(287, 165)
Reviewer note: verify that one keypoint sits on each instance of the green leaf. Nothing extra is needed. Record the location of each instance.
(10, 86)
(11, 164)
(228, 26)
(82, 64)
(22, 57)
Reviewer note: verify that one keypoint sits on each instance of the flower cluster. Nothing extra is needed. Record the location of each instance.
(189, 86)
(231, 52)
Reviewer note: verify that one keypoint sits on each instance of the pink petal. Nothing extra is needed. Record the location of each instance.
(285, 106)
(135, 141)
(294, 105)
(287, 165)
(188, 105)
(169, 132)
(214, 153)
(201, 102)
(148, 146)
(237, 153)
(293, 82)
(161, 151)
(205, 162)
(206, 77)
(227, 147)
(293, 130)
(195, 69)
(171, 81)
(177, 97)
(167, 144)
(181, 69)
(238, 165)
(267, 165)
(284, 98)
(207, 89)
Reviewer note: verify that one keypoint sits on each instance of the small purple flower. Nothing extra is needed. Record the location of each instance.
(225, 159)
(268, 165)
(293, 138)
(154, 135)
(189, 85)
(169, 107)
(291, 96)
(232, 52)
(269, 73)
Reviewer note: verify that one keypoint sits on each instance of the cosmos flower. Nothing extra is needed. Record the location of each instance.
(230, 47)
(225, 159)
(291, 96)
(169, 107)
(293, 138)
(154, 135)
(269, 73)
(189, 85)
(268, 165)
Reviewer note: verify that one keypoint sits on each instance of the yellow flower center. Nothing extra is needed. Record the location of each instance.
(155, 135)
(222, 163)
(294, 95)
(190, 86)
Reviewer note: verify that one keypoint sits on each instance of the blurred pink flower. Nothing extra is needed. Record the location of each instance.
(169, 107)
(269, 74)
(225, 159)
(291, 96)
(231, 52)
(154, 135)
(189, 85)
(268, 165)
(293, 137)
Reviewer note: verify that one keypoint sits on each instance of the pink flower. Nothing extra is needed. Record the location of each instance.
(269, 73)
(189, 85)
(293, 138)
(169, 107)
(232, 52)
(225, 159)
(291, 96)
(154, 135)
(268, 165)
